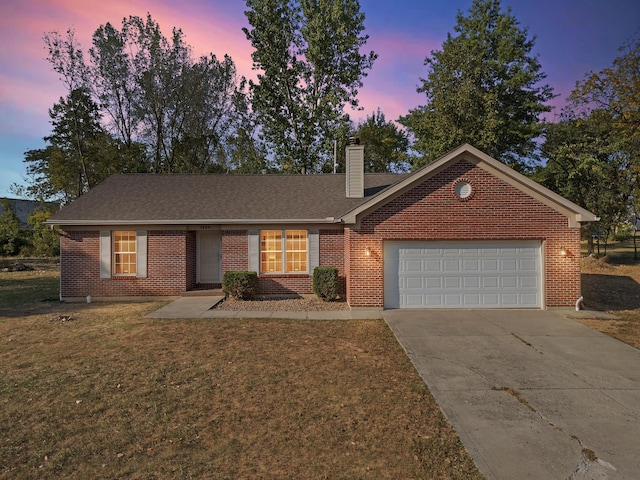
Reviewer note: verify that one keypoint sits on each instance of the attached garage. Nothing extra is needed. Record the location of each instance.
(464, 231)
(480, 274)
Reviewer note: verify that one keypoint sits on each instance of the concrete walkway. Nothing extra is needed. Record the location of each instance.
(531, 393)
(201, 307)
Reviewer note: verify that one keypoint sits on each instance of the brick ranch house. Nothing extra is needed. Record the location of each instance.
(464, 231)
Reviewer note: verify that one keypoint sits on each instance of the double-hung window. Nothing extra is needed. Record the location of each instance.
(284, 251)
(124, 253)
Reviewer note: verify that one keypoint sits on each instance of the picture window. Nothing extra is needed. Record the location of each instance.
(283, 251)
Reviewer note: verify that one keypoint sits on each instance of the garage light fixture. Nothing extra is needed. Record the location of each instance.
(563, 252)
(367, 252)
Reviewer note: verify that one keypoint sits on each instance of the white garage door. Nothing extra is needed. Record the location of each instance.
(462, 274)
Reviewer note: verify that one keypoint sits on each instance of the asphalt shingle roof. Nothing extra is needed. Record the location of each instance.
(179, 198)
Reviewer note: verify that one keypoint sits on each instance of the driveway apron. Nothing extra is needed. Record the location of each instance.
(531, 393)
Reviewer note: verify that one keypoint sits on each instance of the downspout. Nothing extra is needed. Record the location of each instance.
(579, 303)
(60, 267)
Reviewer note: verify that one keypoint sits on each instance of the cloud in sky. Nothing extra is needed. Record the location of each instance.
(573, 37)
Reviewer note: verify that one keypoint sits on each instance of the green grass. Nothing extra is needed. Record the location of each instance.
(99, 391)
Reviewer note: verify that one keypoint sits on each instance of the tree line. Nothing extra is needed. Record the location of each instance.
(138, 101)
(35, 239)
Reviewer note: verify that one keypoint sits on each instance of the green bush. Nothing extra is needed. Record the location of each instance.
(239, 284)
(325, 283)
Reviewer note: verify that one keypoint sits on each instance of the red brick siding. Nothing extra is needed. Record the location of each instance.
(80, 266)
(79, 263)
(285, 284)
(348, 247)
(496, 211)
(235, 250)
(332, 254)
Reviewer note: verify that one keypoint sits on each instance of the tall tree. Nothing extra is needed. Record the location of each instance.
(67, 59)
(151, 91)
(208, 114)
(593, 153)
(482, 88)
(585, 163)
(616, 90)
(385, 145)
(308, 52)
(76, 126)
(114, 81)
(245, 152)
(185, 108)
(79, 154)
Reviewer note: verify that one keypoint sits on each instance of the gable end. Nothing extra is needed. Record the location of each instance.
(574, 213)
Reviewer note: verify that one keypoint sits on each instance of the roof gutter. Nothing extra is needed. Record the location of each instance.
(203, 221)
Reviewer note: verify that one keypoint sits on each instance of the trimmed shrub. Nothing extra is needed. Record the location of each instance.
(239, 284)
(325, 283)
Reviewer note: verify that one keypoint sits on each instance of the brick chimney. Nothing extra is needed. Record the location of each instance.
(355, 168)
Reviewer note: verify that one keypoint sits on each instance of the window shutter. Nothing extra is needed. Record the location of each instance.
(314, 250)
(105, 254)
(141, 254)
(254, 251)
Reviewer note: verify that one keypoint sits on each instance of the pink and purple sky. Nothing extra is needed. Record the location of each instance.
(574, 37)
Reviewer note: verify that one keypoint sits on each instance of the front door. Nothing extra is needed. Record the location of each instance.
(208, 249)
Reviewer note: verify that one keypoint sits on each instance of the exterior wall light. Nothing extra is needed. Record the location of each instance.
(563, 252)
(367, 252)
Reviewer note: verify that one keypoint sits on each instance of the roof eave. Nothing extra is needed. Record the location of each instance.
(587, 218)
(197, 221)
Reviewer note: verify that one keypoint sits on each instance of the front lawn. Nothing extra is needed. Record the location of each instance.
(98, 391)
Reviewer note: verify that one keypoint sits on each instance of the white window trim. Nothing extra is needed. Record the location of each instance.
(283, 239)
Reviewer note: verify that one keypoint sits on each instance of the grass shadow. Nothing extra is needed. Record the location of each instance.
(610, 292)
(621, 258)
(26, 292)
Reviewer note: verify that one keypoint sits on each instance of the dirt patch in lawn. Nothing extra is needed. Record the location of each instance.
(99, 391)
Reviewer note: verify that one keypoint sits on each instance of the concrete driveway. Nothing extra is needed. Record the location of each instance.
(531, 393)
